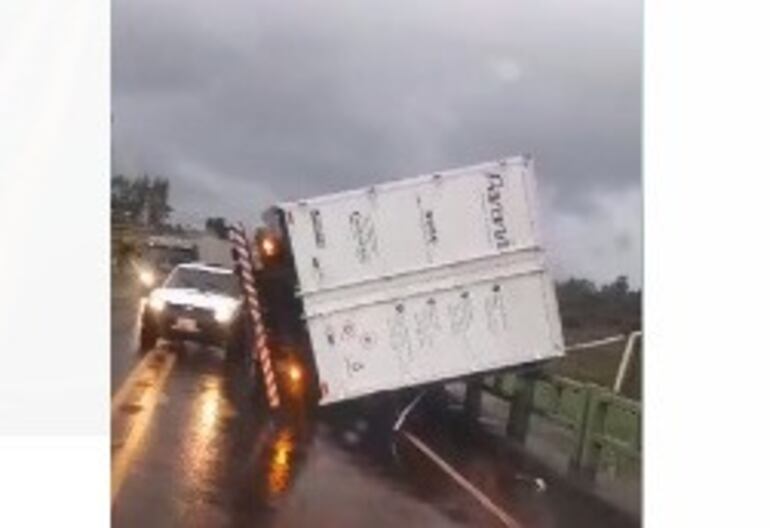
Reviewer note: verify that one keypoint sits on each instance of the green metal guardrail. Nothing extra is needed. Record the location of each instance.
(597, 419)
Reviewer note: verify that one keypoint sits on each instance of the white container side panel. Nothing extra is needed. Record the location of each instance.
(447, 333)
(426, 281)
(410, 225)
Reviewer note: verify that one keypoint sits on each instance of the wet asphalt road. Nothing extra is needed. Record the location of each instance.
(123, 337)
(191, 447)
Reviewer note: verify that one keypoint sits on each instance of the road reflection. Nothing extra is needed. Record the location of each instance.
(210, 458)
(281, 452)
(202, 444)
(280, 457)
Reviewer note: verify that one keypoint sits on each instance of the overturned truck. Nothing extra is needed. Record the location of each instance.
(405, 283)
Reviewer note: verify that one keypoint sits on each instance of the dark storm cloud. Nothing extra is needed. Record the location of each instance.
(242, 103)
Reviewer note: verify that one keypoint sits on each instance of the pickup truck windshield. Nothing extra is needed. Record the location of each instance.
(203, 280)
(159, 255)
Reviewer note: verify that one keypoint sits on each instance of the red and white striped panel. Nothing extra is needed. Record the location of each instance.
(260, 352)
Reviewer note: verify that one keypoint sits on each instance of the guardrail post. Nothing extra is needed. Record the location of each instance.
(497, 382)
(582, 430)
(625, 360)
(589, 450)
(472, 402)
(521, 406)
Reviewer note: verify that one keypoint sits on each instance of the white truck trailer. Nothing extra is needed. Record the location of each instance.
(416, 281)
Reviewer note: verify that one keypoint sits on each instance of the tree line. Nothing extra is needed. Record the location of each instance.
(143, 200)
(584, 305)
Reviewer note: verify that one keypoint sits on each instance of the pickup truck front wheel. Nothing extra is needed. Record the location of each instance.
(147, 338)
(235, 348)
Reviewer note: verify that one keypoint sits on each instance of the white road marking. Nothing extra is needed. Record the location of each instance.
(596, 343)
(121, 461)
(485, 501)
(402, 416)
(130, 381)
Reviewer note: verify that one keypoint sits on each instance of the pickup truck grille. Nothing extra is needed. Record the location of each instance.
(184, 310)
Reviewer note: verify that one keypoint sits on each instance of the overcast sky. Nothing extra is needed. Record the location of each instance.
(243, 103)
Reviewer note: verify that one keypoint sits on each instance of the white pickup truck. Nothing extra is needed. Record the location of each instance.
(197, 302)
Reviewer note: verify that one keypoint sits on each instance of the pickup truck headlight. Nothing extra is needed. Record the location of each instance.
(156, 304)
(147, 277)
(224, 313)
